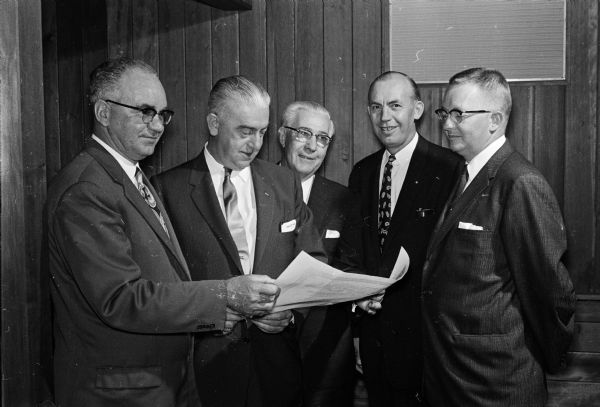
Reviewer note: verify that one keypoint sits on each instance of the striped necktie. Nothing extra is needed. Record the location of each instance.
(235, 222)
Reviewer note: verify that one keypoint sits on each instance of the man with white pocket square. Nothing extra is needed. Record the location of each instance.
(324, 334)
(237, 215)
(497, 300)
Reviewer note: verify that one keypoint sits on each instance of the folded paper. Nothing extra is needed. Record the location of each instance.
(308, 282)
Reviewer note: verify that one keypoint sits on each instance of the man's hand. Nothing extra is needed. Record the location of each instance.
(232, 318)
(252, 295)
(371, 304)
(273, 323)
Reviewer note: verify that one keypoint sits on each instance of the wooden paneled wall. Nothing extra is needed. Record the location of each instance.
(324, 50)
(327, 51)
(25, 336)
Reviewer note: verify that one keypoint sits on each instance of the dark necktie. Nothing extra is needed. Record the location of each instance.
(149, 198)
(464, 178)
(235, 222)
(385, 201)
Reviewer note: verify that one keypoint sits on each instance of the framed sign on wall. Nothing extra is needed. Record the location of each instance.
(431, 40)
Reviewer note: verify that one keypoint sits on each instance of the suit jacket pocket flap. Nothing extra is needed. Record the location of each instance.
(128, 377)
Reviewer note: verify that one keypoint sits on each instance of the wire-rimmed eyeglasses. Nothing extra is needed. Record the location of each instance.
(148, 113)
(304, 136)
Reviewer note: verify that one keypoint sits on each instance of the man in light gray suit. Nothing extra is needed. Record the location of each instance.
(497, 300)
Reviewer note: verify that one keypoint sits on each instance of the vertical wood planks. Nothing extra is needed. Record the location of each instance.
(198, 74)
(337, 61)
(253, 42)
(171, 20)
(549, 136)
(119, 33)
(520, 126)
(225, 44)
(309, 50)
(253, 54)
(70, 79)
(144, 31)
(366, 55)
(581, 144)
(280, 68)
(37, 304)
(51, 88)
(18, 385)
(94, 52)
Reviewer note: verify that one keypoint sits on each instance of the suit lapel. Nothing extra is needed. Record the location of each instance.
(137, 201)
(204, 197)
(373, 197)
(317, 202)
(462, 203)
(265, 210)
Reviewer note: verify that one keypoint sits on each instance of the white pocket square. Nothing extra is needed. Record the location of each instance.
(288, 226)
(332, 234)
(469, 226)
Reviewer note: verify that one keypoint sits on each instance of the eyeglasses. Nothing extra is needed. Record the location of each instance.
(305, 135)
(456, 114)
(148, 113)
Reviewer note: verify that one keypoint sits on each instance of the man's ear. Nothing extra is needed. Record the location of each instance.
(281, 133)
(212, 120)
(102, 112)
(496, 119)
(419, 108)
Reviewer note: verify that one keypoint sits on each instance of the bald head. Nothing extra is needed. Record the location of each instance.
(399, 76)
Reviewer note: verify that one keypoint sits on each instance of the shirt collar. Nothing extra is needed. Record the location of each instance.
(481, 159)
(405, 153)
(216, 168)
(128, 166)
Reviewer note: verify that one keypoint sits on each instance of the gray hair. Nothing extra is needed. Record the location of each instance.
(291, 112)
(389, 75)
(488, 80)
(104, 79)
(236, 86)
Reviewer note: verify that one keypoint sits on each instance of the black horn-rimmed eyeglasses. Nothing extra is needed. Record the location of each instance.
(148, 113)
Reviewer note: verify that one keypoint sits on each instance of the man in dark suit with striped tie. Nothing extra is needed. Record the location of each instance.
(324, 333)
(401, 189)
(260, 231)
(124, 305)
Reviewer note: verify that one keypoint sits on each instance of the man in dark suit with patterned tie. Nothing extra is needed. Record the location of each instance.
(402, 189)
(258, 362)
(124, 305)
(498, 302)
(324, 333)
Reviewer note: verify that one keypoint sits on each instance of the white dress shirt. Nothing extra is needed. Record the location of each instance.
(399, 168)
(481, 159)
(244, 188)
(307, 187)
(128, 166)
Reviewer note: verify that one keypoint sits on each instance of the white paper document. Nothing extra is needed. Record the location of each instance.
(307, 282)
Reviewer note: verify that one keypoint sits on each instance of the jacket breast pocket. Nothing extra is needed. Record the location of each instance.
(128, 377)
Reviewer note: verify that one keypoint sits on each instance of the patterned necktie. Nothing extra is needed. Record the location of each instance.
(385, 201)
(149, 198)
(235, 222)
